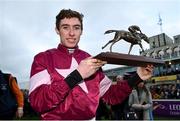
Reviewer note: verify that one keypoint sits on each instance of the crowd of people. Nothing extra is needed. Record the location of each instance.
(165, 91)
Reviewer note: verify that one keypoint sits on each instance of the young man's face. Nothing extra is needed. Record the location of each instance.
(69, 32)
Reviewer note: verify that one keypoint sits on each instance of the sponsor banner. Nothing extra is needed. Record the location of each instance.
(167, 108)
(165, 78)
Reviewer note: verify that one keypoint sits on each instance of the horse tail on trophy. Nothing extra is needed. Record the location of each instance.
(110, 31)
(107, 32)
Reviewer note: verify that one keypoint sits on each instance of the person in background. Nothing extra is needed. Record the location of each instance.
(11, 97)
(66, 82)
(118, 110)
(103, 111)
(141, 100)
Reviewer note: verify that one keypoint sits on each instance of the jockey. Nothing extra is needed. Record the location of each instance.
(134, 30)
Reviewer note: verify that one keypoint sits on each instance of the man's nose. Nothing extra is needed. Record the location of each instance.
(71, 32)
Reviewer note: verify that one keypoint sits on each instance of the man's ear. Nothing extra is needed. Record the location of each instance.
(57, 31)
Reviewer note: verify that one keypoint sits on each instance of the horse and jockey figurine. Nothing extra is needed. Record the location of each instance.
(133, 36)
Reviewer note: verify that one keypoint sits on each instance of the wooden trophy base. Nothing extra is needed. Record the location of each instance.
(129, 60)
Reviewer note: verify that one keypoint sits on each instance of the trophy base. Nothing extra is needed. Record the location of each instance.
(129, 60)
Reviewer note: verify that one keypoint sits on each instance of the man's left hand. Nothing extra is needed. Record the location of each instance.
(145, 72)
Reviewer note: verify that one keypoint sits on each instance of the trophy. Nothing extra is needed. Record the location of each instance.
(134, 37)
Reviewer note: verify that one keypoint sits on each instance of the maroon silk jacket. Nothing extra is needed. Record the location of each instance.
(50, 95)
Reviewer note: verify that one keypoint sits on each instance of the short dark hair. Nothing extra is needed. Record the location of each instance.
(68, 13)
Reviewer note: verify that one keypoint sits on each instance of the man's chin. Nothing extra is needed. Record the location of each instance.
(71, 47)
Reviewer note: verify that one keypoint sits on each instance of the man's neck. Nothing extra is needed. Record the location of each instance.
(71, 50)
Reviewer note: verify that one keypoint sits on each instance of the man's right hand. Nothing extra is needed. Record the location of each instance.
(19, 112)
(89, 66)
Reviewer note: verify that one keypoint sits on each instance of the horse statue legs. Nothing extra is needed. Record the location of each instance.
(132, 46)
(111, 41)
(112, 45)
(141, 46)
(107, 43)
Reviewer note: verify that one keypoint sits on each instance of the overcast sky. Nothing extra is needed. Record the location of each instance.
(27, 27)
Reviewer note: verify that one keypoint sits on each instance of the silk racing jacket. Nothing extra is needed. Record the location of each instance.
(55, 93)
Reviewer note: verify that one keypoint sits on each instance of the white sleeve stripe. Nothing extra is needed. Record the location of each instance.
(104, 85)
(38, 79)
(83, 86)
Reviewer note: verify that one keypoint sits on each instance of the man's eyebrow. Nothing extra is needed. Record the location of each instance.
(69, 25)
(65, 25)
